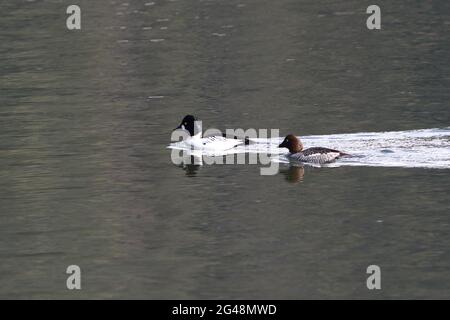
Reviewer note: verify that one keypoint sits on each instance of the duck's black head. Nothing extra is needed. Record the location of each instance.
(188, 123)
(292, 143)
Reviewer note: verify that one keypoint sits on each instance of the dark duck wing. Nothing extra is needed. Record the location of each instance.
(317, 155)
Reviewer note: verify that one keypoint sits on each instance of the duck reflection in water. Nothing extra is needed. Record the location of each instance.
(190, 165)
(294, 173)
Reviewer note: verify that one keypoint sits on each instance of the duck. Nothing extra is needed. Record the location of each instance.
(211, 143)
(316, 155)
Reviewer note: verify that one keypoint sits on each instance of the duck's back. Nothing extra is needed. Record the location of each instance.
(317, 155)
(215, 143)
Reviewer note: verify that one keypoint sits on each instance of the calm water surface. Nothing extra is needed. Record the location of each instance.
(86, 178)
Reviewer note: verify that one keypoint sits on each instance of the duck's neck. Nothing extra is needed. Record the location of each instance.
(197, 136)
(296, 147)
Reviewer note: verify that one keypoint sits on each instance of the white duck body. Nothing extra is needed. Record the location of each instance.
(195, 141)
(213, 143)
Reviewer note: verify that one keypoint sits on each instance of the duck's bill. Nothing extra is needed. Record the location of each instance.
(178, 128)
(281, 145)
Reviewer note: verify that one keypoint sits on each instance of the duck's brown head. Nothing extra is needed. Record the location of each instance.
(292, 143)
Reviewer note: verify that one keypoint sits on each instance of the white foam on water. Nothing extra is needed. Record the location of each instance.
(426, 148)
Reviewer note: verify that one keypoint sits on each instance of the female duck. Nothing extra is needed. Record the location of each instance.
(313, 155)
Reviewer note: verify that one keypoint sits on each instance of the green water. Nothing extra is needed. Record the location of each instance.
(86, 179)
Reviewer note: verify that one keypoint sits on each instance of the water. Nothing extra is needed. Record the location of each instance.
(86, 176)
(427, 148)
